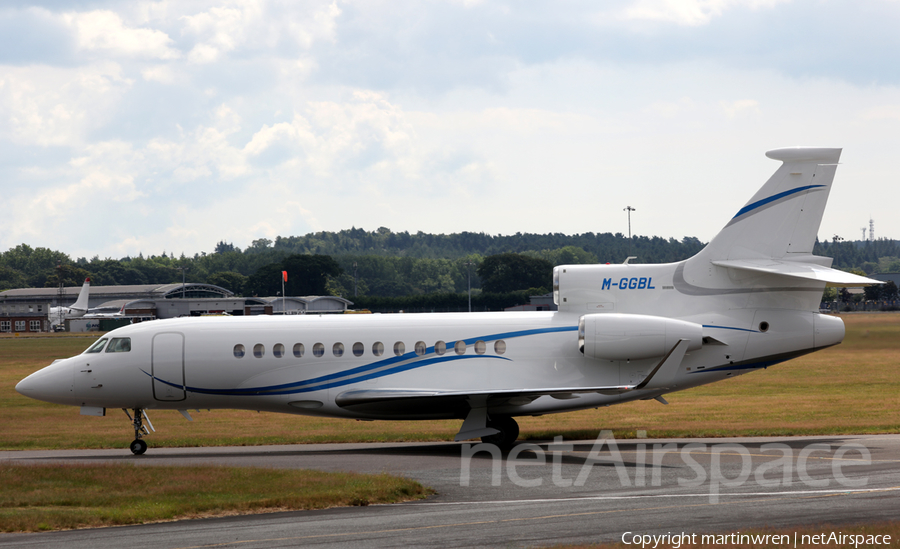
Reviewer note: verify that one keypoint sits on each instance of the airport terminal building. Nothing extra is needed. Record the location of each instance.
(28, 309)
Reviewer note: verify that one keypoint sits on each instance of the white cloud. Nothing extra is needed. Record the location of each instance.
(257, 25)
(275, 118)
(739, 107)
(57, 106)
(671, 109)
(688, 12)
(159, 73)
(104, 31)
(883, 112)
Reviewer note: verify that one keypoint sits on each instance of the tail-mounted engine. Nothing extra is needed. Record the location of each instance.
(613, 336)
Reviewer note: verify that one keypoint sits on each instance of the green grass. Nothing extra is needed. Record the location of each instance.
(54, 497)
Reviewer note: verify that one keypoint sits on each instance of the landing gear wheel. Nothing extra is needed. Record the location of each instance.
(509, 432)
(138, 447)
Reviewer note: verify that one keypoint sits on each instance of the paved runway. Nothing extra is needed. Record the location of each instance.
(541, 494)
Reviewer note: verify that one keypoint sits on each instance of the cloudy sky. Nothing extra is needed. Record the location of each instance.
(142, 127)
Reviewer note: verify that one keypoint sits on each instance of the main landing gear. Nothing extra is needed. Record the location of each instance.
(138, 446)
(509, 432)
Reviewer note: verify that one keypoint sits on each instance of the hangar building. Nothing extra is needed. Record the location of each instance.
(26, 309)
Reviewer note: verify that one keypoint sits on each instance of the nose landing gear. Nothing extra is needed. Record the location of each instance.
(138, 446)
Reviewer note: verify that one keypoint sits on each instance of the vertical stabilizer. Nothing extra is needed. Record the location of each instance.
(783, 217)
(81, 304)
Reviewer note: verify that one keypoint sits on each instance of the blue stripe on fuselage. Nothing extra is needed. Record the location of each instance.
(407, 361)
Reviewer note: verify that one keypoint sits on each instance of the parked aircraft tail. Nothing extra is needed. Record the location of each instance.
(81, 304)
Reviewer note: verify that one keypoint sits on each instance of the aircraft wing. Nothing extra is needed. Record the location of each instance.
(460, 403)
(806, 271)
(434, 401)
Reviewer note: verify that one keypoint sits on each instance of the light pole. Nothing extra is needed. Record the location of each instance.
(469, 279)
(629, 209)
(182, 269)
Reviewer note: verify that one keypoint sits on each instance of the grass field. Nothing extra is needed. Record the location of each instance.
(54, 497)
(850, 388)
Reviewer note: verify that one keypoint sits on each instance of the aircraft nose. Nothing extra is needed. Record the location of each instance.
(51, 384)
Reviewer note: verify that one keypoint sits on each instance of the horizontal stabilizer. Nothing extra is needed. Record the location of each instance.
(805, 271)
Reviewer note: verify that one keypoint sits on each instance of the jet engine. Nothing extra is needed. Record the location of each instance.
(614, 336)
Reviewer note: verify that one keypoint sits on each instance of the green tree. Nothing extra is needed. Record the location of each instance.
(889, 291)
(344, 285)
(229, 280)
(873, 292)
(223, 247)
(11, 278)
(67, 275)
(509, 272)
(307, 275)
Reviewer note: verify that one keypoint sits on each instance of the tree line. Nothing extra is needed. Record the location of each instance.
(382, 264)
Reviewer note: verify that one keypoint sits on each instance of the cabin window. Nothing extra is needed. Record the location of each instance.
(499, 346)
(239, 351)
(440, 348)
(420, 348)
(378, 348)
(259, 350)
(97, 347)
(358, 349)
(480, 347)
(318, 350)
(338, 349)
(119, 345)
(278, 350)
(460, 347)
(298, 350)
(399, 348)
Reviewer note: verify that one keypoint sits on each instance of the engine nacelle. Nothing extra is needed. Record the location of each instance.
(613, 336)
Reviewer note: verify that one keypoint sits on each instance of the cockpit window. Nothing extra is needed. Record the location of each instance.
(97, 347)
(119, 345)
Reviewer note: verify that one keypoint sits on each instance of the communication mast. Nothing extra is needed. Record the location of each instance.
(60, 293)
(864, 233)
(871, 229)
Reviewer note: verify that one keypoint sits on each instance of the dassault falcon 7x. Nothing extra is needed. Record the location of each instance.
(623, 332)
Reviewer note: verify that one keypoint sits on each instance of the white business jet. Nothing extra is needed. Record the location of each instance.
(748, 300)
(57, 315)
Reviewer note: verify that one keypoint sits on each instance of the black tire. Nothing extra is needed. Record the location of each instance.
(509, 432)
(138, 447)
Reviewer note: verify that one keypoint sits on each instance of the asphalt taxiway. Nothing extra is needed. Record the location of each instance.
(541, 494)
